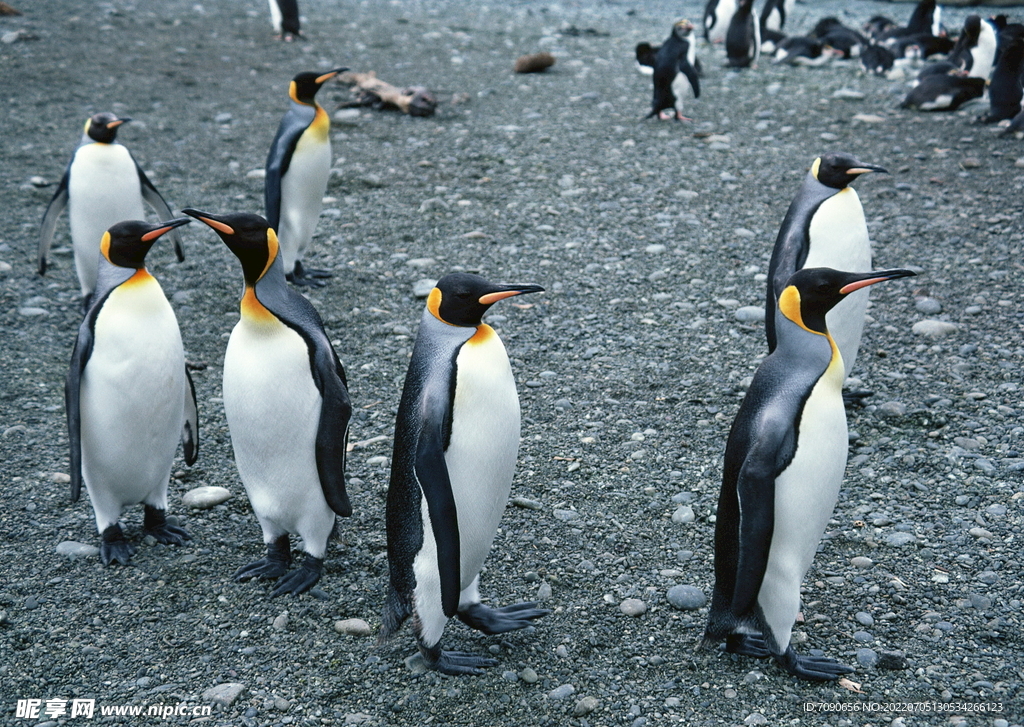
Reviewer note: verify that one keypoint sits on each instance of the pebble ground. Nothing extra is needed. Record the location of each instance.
(652, 240)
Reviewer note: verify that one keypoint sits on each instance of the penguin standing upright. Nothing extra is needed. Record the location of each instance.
(825, 227)
(675, 68)
(1005, 90)
(456, 443)
(717, 14)
(298, 167)
(284, 16)
(287, 406)
(743, 39)
(774, 14)
(975, 49)
(784, 465)
(128, 395)
(102, 185)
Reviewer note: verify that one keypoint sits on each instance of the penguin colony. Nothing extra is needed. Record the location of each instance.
(130, 397)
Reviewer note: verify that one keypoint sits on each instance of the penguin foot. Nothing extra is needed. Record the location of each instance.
(274, 565)
(155, 524)
(302, 578)
(856, 398)
(456, 663)
(747, 645)
(115, 548)
(499, 620)
(296, 279)
(812, 668)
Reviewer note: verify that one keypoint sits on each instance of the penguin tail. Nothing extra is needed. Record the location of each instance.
(396, 611)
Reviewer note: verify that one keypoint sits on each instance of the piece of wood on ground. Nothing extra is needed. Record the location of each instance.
(371, 91)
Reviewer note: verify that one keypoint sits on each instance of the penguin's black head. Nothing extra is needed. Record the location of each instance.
(126, 243)
(102, 127)
(461, 299)
(248, 236)
(972, 28)
(838, 169)
(305, 85)
(682, 29)
(812, 292)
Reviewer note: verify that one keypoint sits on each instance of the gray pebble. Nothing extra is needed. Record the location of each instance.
(893, 409)
(933, 328)
(988, 577)
(203, 498)
(31, 603)
(222, 118)
(755, 718)
(282, 705)
(525, 503)
(31, 311)
(561, 692)
(422, 287)
(892, 660)
(510, 676)
(528, 675)
(353, 627)
(544, 591)
(565, 515)
(867, 658)
(980, 602)
(749, 314)
(224, 694)
(980, 533)
(863, 637)
(73, 549)
(683, 514)
(861, 561)
(683, 497)
(928, 306)
(421, 262)
(898, 540)
(686, 598)
(585, 706)
(864, 618)
(281, 622)
(633, 607)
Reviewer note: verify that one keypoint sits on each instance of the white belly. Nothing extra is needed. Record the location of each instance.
(481, 456)
(723, 13)
(302, 193)
(273, 413)
(132, 400)
(839, 240)
(103, 189)
(805, 495)
(680, 87)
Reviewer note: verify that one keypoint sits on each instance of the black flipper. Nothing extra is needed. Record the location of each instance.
(432, 473)
(72, 397)
(691, 75)
(190, 431)
(294, 122)
(163, 211)
(57, 204)
(645, 53)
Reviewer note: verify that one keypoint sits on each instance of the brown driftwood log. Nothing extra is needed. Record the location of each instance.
(371, 91)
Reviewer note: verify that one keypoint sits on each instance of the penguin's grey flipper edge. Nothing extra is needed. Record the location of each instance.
(432, 474)
(163, 211)
(332, 433)
(190, 431)
(49, 224)
(72, 398)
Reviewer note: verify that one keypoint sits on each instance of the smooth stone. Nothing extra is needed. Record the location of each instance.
(544, 591)
(898, 539)
(528, 675)
(565, 515)
(861, 561)
(353, 627)
(421, 262)
(928, 306)
(222, 118)
(282, 705)
(755, 718)
(864, 618)
(203, 498)
(981, 533)
(683, 514)
(256, 174)
(415, 664)
(863, 637)
(867, 658)
(561, 692)
(585, 706)
(686, 598)
(526, 503)
(749, 314)
(893, 409)
(74, 550)
(224, 694)
(933, 328)
(655, 249)
(281, 622)
(422, 287)
(633, 607)
(30, 311)
(510, 676)
(988, 577)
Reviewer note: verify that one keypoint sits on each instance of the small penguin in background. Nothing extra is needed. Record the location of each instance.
(784, 464)
(298, 167)
(287, 406)
(1005, 91)
(825, 227)
(940, 92)
(456, 444)
(284, 16)
(743, 39)
(128, 395)
(774, 14)
(675, 67)
(975, 49)
(877, 59)
(717, 16)
(102, 185)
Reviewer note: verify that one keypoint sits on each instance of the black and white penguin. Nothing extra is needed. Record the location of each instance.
(926, 19)
(456, 443)
(128, 395)
(798, 50)
(825, 227)
(877, 59)
(298, 167)
(287, 406)
(878, 26)
(975, 49)
(784, 464)
(284, 16)
(743, 39)
(102, 185)
(774, 14)
(717, 16)
(675, 69)
(1005, 91)
(937, 92)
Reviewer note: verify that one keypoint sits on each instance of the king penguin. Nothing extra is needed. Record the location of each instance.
(128, 395)
(784, 464)
(287, 405)
(675, 67)
(456, 443)
(298, 167)
(825, 227)
(102, 185)
(284, 16)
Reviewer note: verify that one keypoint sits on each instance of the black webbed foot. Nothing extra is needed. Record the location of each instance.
(115, 548)
(155, 524)
(747, 645)
(302, 578)
(499, 620)
(456, 663)
(274, 565)
(812, 668)
(852, 399)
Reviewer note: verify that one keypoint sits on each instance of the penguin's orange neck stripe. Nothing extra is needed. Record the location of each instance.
(483, 334)
(253, 310)
(141, 277)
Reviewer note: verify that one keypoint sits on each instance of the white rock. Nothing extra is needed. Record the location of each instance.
(933, 328)
(281, 622)
(683, 514)
(75, 550)
(750, 314)
(421, 262)
(353, 627)
(422, 287)
(256, 174)
(633, 607)
(32, 311)
(346, 114)
(223, 694)
(203, 498)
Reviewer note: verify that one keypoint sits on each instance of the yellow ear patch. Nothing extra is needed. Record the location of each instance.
(789, 305)
(272, 247)
(293, 92)
(815, 166)
(434, 304)
(105, 245)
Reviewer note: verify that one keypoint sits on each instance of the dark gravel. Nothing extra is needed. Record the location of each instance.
(648, 236)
